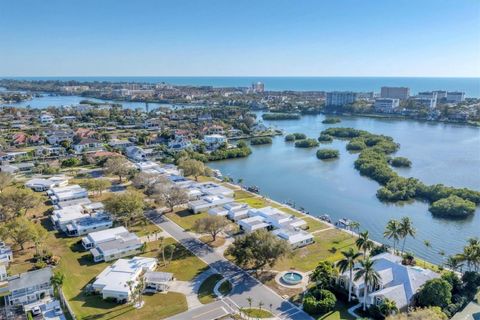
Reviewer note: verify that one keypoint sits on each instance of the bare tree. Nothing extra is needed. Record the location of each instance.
(169, 196)
(212, 225)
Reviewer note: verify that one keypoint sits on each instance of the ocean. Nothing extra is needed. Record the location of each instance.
(471, 86)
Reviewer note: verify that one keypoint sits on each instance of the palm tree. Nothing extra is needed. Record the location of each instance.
(347, 263)
(471, 254)
(260, 305)
(407, 229)
(370, 277)
(250, 300)
(393, 231)
(57, 281)
(453, 263)
(354, 225)
(388, 307)
(364, 243)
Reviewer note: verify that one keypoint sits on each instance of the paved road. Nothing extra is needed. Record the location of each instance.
(244, 285)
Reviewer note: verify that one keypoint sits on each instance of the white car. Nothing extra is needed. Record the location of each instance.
(36, 311)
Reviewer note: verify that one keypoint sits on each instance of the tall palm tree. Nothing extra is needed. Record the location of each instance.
(388, 307)
(347, 263)
(393, 231)
(354, 226)
(364, 243)
(471, 254)
(453, 263)
(370, 277)
(407, 229)
(57, 281)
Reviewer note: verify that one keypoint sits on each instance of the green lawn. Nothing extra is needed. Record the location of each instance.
(314, 224)
(340, 312)
(185, 218)
(242, 194)
(225, 287)
(328, 246)
(185, 265)
(256, 202)
(290, 211)
(143, 229)
(257, 313)
(205, 292)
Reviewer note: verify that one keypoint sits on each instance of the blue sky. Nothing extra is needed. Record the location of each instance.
(240, 38)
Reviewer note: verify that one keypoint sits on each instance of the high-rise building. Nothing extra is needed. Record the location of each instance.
(340, 98)
(401, 93)
(258, 87)
(455, 96)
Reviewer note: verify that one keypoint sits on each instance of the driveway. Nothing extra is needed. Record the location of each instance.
(244, 286)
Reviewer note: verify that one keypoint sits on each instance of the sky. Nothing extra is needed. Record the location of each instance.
(433, 38)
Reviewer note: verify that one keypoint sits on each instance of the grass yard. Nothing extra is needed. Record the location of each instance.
(315, 225)
(290, 211)
(185, 218)
(328, 246)
(256, 313)
(205, 292)
(340, 312)
(256, 202)
(184, 265)
(207, 239)
(144, 228)
(242, 194)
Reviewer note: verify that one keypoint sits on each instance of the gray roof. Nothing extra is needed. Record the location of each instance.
(30, 279)
(118, 244)
(158, 277)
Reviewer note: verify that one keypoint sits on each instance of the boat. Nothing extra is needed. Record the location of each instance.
(343, 223)
(253, 189)
(326, 218)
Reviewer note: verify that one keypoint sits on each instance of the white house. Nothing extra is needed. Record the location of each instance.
(40, 185)
(28, 287)
(397, 282)
(87, 144)
(6, 254)
(214, 140)
(214, 189)
(135, 153)
(89, 223)
(46, 118)
(67, 193)
(158, 281)
(122, 245)
(120, 144)
(295, 237)
(76, 219)
(253, 223)
(229, 207)
(95, 238)
(113, 281)
(208, 202)
(276, 218)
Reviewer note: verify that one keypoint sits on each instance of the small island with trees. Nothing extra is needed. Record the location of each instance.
(260, 140)
(295, 136)
(280, 116)
(331, 120)
(327, 154)
(306, 143)
(325, 138)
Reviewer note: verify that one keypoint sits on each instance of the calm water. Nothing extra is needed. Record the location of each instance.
(471, 86)
(441, 153)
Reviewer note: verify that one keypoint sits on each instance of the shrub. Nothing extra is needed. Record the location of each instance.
(306, 143)
(319, 301)
(401, 162)
(435, 293)
(325, 154)
(452, 206)
(331, 120)
(40, 264)
(72, 162)
(356, 144)
(261, 140)
(325, 138)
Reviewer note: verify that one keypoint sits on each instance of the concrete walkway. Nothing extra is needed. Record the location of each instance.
(351, 310)
(244, 286)
(155, 236)
(190, 288)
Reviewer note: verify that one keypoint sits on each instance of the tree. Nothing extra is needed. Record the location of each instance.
(364, 243)
(370, 277)
(393, 231)
(258, 249)
(57, 281)
(169, 195)
(453, 206)
(387, 307)
(20, 230)
(324, 274)
(453, 263)
(347, 263)
(427, 245)
(433, 313)
(5, 179)
(194, 168)
(98, 185)
(39, 236)
(117, 166)
(212, 225)
(406, 229)
(16, 202)
(125, 206)
(169, 251)
(471, 254)
(147, 181)
(435, 293)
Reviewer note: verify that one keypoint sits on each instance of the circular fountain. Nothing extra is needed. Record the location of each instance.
(292, 278)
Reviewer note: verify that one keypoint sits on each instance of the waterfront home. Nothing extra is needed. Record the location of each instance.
(135, 153)
(278, 219)
(251, 224)
(229, 207)
(110, 244)
(211, 188)
(208, 202)
(179, 143)
(67, 193)
(398, 282)
(6, 254)
(238, 213)
(28, 287)
(295, 237)
(213, 141)
(87, 145)
(113, 281)
(41, 185)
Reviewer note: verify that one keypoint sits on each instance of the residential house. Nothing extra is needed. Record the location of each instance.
(121, 245)
(398, 282)
(251, 224)
(120, 144)
(67, 193)
(6, 254)
(135, 153)
(295, 237)
(42, 185)
(87, 144)
(28, 287)
(113, 282)
(213, 141)
(208, 202)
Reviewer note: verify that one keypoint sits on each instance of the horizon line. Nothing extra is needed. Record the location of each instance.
(230, 76)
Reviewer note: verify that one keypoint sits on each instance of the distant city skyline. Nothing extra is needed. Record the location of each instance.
(243, 38)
